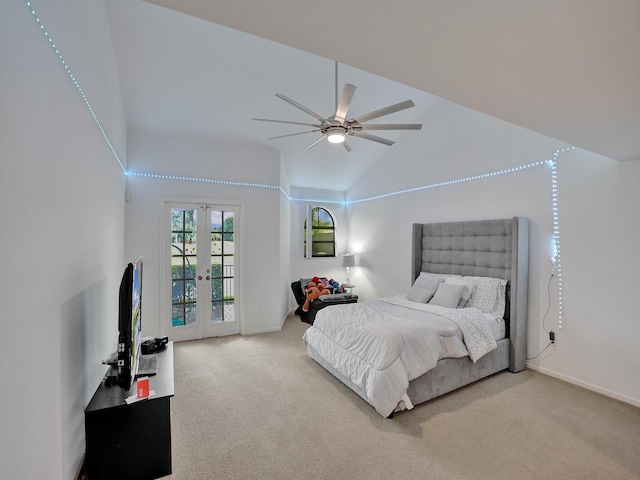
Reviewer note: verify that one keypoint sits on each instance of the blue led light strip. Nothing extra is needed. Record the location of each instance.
(75, 82)
(230, 183)
(557, 258)
(453, 182)
(206, 180)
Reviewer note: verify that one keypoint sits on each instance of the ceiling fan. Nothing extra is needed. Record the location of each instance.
(337, 129)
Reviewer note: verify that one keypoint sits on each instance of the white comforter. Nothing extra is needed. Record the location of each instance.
(381, 345)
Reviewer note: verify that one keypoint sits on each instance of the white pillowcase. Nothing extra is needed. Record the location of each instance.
(448, 295)
(488, 295)
(424, 287)
(469, 287)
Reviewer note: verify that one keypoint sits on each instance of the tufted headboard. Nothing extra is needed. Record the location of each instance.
(485, 248)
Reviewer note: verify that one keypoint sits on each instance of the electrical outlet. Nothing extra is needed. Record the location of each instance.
(552, 336)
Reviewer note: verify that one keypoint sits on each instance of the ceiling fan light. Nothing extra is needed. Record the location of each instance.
(336, 134)
(336, 137)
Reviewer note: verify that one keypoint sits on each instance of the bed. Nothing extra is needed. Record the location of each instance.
(357, 344)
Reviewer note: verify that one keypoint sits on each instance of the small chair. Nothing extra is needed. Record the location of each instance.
(319, 303)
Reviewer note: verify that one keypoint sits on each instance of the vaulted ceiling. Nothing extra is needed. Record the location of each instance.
(569, 70)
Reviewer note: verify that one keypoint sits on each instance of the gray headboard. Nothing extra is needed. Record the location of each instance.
(485, 248)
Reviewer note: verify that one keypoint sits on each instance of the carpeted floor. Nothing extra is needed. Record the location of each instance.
(257, 407)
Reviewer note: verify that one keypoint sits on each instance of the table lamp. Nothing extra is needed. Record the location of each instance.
(348, 261)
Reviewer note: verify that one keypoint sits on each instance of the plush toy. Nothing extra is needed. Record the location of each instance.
(312, 294)
(319, 281)
(337, 287)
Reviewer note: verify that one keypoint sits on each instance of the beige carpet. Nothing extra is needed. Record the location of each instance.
(257, 407)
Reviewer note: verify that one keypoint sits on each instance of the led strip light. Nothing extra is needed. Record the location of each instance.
(204, 180)
(453, 182)
(75, 82)
(557, 258)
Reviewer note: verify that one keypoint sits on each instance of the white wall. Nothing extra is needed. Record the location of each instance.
(285, 242)
(600, 221)
(600, 232)
(261, 216)
(62, 198)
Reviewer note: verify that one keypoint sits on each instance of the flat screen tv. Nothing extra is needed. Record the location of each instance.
(129, 324)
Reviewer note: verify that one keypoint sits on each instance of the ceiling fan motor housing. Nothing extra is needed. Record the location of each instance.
(339, 132)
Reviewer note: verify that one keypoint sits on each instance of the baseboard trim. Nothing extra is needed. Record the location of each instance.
(589, 386)
(263, 330)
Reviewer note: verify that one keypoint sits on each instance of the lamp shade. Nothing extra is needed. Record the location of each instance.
(348, 260)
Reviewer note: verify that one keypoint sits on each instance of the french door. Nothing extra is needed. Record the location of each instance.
(202, 276)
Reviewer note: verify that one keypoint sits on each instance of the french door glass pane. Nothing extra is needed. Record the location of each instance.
(222, 266)
(217, 312)
(190, 314)
(183, 266)
(216, 244)
(229, 310)
(216, 289)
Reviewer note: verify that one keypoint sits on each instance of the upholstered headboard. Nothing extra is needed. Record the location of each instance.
(486, 248)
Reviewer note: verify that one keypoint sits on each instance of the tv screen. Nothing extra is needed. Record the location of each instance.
(129, 323)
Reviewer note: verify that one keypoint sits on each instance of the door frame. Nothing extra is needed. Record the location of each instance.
(165, 254)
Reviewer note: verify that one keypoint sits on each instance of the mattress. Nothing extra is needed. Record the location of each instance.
(380, 345)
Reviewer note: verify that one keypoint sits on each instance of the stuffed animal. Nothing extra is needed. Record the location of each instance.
(320, 281)
(337, 287)
(312, 294)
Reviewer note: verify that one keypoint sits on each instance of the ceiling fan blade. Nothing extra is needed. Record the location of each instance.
(292, 134)
(345, 101)
(285, 121)
(373, 138)
(315, 143)
(389, 126)
(384, 111)
(304, 109)
(347, 144)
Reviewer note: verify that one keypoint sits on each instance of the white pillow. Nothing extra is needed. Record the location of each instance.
(469, 286)
(489, 295)
(499, 312)
(424, 287)
(448, 295)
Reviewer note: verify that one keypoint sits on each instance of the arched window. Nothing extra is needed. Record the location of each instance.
(322, 232)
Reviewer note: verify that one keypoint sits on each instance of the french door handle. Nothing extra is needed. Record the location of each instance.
(200, 277)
